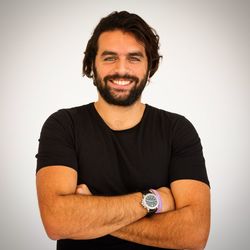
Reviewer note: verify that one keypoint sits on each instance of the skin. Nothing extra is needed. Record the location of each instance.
(71, 211)
(141, 232)
(123, 45)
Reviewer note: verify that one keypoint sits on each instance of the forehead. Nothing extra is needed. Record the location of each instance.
(119, 42)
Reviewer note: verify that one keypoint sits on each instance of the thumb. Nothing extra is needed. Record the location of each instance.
(83, 190)
(79, 190)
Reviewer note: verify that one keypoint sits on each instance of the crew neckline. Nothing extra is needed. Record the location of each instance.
(103, 123)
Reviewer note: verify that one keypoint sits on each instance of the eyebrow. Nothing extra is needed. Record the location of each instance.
(139, 54)
(109, 52)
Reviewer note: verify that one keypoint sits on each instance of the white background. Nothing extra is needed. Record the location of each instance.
(204, 75)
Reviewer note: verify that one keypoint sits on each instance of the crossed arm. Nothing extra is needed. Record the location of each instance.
(74, 215)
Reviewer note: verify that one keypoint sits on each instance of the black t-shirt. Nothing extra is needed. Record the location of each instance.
(162, 148)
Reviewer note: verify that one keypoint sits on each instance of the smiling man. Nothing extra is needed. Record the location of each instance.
(122, 64)
(117, 173)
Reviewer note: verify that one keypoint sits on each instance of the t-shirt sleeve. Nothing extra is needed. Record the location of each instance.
(56, 143)
(187, 161)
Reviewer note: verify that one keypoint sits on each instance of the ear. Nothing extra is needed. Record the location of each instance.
(92, 68)
(148, 76)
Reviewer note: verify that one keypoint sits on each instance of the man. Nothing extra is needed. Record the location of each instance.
(119, 174)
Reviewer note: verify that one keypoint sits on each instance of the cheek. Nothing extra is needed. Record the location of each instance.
(101, 74)
(142, 71)
(102, 71)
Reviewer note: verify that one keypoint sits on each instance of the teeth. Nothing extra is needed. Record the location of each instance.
(121, 82)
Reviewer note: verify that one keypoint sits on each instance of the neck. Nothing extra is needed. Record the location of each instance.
(119, 117)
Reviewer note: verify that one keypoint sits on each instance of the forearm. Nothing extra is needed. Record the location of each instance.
(86, 217)
(176, 229)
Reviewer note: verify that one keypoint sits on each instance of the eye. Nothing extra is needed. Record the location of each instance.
(109, 59)
(134, 59)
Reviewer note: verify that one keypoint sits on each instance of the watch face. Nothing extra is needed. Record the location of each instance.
(151, 201)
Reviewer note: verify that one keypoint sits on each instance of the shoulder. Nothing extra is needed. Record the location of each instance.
(65, 119)
(68, 115)
(176, 125)
(173, 119)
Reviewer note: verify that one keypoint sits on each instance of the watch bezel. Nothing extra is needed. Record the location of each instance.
(150, 209)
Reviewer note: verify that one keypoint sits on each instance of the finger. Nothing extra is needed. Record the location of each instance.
(79, 190)
(86, 189)
(83, 190)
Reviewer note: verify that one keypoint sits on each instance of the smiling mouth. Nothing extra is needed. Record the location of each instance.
(121, 82)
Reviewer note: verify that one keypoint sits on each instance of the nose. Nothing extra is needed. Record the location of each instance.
(122, 66)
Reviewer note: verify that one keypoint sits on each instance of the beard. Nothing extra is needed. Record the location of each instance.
(118, 97)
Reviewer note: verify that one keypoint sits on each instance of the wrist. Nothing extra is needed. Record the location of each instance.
(152, 202)
(168, 203)
(158, 196)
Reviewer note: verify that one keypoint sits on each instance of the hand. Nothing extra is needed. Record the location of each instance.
(83, 190)
(168, 203)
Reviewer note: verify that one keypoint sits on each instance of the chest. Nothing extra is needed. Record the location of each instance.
(120, 163)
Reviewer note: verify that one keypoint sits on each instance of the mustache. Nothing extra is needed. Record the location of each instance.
(124, 77)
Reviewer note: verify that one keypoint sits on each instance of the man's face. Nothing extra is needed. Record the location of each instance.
(121, 68)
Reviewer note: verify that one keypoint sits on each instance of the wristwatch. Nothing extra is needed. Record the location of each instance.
(150, 201)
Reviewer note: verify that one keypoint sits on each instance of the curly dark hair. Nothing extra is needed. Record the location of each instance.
(126, 22)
